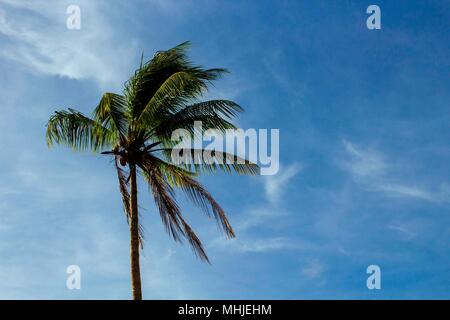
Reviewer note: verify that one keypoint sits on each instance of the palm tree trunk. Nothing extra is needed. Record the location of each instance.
(134, 237)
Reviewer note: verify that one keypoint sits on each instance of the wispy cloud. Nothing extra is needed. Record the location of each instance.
(275, 188)
(274, 185)
(402, 230)
(260, 215)
(372, 170)
(263, 216)
(38, 38)
(364, 163)
(410, 191)
(259, 245)
(313, 269)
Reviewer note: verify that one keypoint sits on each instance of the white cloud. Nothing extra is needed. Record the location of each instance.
(364, 163)
(402, 230)
(258, 216)
(408, 191)
(38, 38)
(370, 169)
(258, 245)
(314, 269)
(276, 184)
(261, 215)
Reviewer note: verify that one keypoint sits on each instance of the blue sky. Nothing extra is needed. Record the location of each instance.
(364, 153)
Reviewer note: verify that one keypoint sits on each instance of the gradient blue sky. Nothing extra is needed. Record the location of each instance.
(364, 153)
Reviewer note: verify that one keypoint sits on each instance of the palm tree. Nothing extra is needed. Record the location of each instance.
(135, 129)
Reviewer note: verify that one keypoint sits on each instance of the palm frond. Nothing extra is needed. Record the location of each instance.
(176, 90)
(213, 114)
(169, 210)
(209, 161)
(194, 241)
(73, 129)
(172, 64)
(111, 113)
(163, 195)
(183, 179)
(226, 108)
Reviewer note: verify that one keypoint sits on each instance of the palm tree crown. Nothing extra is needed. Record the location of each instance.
(135, 128)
